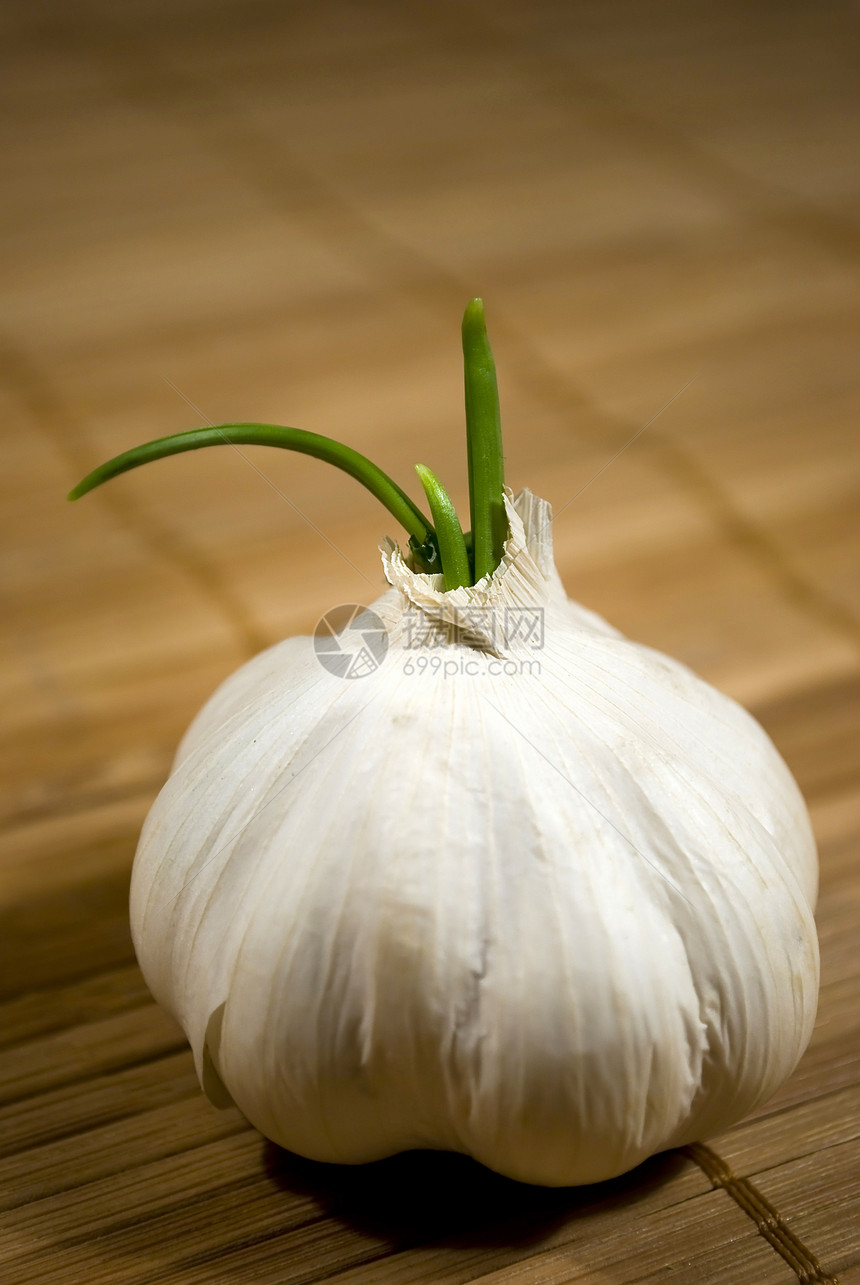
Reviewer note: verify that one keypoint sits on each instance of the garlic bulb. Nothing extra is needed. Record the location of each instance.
(549, 907)
(524, 889)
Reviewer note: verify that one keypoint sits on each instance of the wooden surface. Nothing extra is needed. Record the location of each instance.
(277, 211)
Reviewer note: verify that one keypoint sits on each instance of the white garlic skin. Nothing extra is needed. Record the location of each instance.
(558, 921)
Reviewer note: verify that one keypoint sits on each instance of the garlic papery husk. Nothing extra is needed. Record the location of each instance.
(545, 900)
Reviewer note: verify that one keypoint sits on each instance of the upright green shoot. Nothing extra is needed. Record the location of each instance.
(484, 444)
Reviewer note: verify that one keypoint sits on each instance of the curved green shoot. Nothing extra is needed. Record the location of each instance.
(484, 443)
(449, 533)
(397, 502)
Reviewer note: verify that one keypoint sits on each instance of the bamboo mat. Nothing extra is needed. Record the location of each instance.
(277, 211)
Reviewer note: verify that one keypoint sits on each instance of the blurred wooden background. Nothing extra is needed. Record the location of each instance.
(277, 211)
